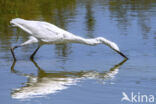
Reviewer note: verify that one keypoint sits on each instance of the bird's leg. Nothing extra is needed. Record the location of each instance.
(32, 56)
(12, 51)
(30, 41)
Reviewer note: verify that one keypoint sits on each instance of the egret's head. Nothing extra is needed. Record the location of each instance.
(111, 45)
(116, 48)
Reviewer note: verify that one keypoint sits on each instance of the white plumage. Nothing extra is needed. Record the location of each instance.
(45, 33)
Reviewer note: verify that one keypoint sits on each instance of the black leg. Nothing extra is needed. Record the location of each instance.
(12, 51)
(32, 56)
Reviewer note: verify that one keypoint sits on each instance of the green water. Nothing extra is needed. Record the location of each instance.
(76, 73)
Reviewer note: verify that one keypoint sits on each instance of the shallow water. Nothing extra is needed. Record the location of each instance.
(75, 73)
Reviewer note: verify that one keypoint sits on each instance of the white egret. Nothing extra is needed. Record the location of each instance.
(45, 33)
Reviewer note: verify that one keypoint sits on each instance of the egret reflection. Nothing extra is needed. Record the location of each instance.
(45, 83)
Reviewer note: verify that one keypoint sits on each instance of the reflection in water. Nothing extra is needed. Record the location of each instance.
(51, 82)
(62, 51)
(144, 23)
(123, 11)
(90, 20)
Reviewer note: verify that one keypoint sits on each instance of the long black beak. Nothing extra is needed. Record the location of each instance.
(122, 54)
